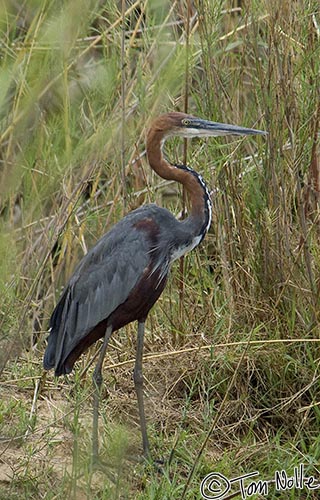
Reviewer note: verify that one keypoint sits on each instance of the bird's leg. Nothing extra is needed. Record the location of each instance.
(97, 381)
(138, 384)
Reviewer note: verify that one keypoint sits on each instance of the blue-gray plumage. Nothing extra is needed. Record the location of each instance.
(123, 275)
(101, 282)
(147, 239)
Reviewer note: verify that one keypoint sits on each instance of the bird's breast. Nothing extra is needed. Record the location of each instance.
(183, 249)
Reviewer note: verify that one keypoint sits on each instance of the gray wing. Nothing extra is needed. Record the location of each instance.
(102, 281)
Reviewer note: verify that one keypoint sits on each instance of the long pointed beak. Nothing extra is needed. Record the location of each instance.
(205, 128)
(215, 129)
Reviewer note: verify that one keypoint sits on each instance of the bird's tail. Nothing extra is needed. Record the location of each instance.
(51, 352)
(49, 355)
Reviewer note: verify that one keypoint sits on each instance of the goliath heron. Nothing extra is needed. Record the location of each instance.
(123, 275)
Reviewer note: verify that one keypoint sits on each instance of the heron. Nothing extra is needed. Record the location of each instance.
(123, 275)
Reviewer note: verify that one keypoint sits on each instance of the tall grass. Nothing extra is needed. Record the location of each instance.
(232, 363)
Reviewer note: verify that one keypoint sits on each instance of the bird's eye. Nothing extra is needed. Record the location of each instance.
(185, 122)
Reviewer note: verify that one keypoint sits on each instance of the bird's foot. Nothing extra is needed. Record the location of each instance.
(146, 459)
(159, 465)
(98, 465)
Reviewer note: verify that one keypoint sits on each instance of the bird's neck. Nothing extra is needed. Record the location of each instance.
(199, 196)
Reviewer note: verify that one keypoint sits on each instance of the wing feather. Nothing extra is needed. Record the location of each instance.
(101, 282)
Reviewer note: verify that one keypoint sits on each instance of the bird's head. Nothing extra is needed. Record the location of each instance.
(184, 125)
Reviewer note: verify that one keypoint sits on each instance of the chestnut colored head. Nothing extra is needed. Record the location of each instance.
(184, 125)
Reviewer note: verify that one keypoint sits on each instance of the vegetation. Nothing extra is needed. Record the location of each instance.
(232, 346)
